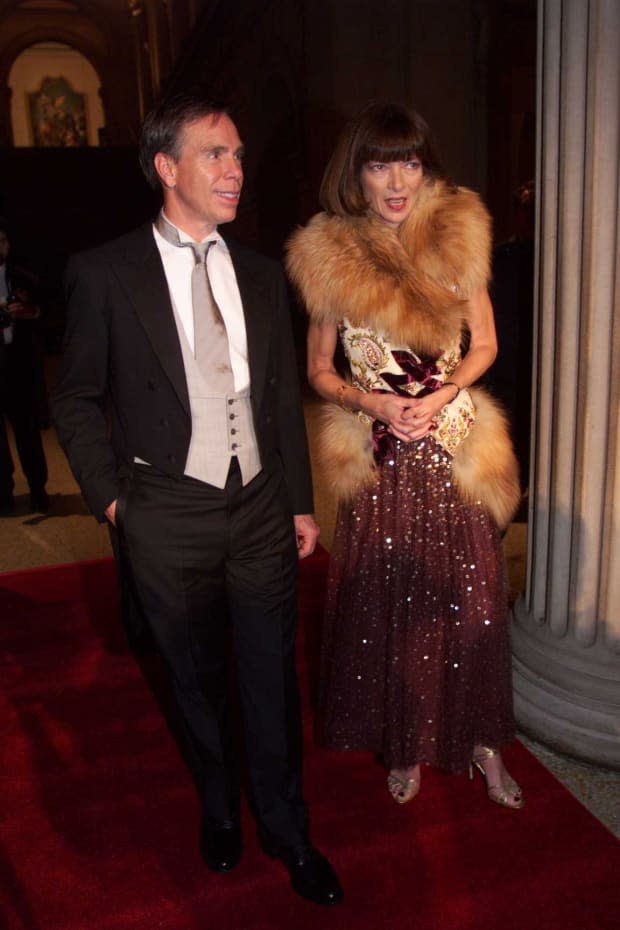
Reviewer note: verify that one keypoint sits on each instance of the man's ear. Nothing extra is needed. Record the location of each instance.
(166, 168)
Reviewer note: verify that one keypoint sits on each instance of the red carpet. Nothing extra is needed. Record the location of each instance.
(99, 817)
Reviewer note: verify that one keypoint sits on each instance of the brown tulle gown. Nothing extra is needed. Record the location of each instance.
(416, 656)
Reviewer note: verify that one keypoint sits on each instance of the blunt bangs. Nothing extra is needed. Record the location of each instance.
(385, 151)
(391, 135)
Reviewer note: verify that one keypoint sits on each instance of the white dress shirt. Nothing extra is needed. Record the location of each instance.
(178, 264)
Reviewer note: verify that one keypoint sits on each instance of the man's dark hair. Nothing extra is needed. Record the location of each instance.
(163, 127)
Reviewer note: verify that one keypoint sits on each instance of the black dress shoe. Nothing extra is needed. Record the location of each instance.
(220, 844)
(311, 875)
(39, 502)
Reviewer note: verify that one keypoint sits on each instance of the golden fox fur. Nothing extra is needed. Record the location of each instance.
(412, 285)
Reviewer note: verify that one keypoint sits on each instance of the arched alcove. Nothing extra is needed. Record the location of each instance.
(55, 97)
(99, 31)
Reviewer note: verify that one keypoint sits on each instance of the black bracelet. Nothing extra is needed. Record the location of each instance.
(454, 384)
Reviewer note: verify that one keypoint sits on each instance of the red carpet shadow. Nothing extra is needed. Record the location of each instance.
(99, 819)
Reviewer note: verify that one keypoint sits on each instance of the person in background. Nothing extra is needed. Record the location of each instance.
(20, 364)
(512, 294)
(416, 655)
(204, 472)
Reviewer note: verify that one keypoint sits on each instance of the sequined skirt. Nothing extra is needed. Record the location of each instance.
(415, 651)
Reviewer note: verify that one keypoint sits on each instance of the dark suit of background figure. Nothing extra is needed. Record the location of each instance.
(207, 563)
(20, 390)
(512, 295)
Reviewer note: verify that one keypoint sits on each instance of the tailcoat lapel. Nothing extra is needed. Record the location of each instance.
(141, 275)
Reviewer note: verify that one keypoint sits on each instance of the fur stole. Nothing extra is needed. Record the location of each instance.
(484, 467)
(411, 283)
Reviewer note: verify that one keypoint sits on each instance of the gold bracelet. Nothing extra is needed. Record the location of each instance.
(340, 394)
(454, 384)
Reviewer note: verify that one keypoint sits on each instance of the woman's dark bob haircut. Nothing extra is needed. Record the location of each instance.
(380, 132)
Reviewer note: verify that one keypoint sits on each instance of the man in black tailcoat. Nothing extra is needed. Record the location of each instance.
(204, 470)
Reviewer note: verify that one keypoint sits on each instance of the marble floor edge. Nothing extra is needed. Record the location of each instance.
(597, 788)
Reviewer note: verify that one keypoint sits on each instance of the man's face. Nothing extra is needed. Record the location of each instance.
(202, 188)
(4, 247)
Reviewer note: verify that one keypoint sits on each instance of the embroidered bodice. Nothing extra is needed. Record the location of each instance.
(377, 365)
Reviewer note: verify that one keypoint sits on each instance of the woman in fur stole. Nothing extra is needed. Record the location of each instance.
(416, 656)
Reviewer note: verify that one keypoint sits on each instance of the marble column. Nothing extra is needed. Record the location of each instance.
(566, 630)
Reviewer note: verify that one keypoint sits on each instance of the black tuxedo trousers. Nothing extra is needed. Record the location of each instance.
(211, 568)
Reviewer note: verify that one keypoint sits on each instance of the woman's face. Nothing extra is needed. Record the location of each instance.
(391, 188)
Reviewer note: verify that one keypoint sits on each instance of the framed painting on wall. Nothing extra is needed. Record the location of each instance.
(57, 115)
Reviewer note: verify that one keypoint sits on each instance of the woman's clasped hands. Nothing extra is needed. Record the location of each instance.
(407, 418)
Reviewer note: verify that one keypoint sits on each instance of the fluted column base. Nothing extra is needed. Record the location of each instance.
(565, 696)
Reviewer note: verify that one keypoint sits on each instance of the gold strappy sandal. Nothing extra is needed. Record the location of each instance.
(402, 789)
(507, 792)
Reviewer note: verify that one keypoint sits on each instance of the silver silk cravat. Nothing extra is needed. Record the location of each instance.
(211, 349)
(222, 418)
